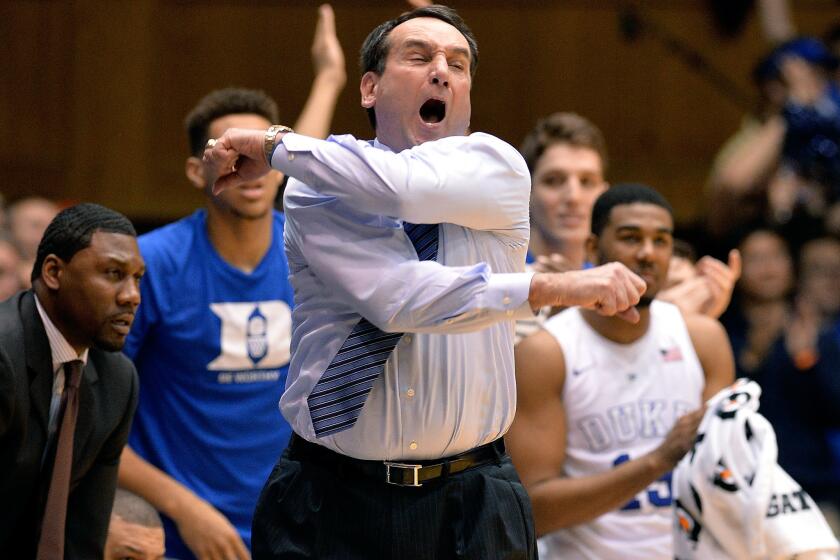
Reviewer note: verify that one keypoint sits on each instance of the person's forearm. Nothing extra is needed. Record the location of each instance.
(754, 159)
(547, 290)
(413, 296)
(316, 117)
(139, 476)
(565, 502)
(776, 21)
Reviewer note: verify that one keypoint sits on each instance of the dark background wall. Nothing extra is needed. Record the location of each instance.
(93, 94)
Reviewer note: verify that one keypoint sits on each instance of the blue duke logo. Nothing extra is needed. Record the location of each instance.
(254, 335)
(256, 330)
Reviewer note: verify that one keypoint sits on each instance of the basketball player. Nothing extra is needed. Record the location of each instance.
(606, 408)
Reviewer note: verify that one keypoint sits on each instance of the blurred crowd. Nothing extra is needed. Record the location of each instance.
(775, 190)
(22, 223)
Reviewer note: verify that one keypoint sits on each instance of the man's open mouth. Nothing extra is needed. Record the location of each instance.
(433, 111)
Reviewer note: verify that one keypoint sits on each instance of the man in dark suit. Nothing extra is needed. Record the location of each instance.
(60, 368)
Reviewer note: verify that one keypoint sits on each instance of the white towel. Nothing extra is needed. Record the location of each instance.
(731, 498)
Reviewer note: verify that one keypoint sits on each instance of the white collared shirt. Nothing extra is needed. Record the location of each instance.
(62, 353)
(449, 384)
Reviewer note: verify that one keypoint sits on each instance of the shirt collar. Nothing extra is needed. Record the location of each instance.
(60, 349)
(379, 145)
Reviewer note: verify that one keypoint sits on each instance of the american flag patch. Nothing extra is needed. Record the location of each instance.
(673, 354)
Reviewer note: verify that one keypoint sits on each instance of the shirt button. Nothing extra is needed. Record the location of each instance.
(410, 393)
(412, 445)
(407, 339)
(506, 300)
(509, 312)
(291, 157)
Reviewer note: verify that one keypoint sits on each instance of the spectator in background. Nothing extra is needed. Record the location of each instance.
(819, 289)
(10, 260)
(211, 342)
(783, 166)
(757, 318)
(135, 531)
(779, 343)
(27, 220)
(819, 272)
(567, 157)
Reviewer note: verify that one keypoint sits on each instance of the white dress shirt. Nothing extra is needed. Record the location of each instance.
(61, 353)
(449, 385)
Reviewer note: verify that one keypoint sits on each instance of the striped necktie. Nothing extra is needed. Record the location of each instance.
(51, 541)
(337, 399)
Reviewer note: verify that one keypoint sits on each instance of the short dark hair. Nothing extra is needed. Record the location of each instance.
(375, 48)
(134, 509)
(619, 195)
(222, 102)
(563, 128)
(71, 231)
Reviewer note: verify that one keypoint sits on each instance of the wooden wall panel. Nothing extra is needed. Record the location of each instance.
(93, 93)
(36, 104)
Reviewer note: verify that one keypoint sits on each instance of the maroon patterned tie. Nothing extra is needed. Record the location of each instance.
(51, 543)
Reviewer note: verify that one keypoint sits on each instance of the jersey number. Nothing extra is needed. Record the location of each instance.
(658, 494)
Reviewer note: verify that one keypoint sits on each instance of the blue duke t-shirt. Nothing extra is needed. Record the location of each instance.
(211, 345)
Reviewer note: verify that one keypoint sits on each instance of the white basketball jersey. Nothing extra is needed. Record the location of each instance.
(621, 400)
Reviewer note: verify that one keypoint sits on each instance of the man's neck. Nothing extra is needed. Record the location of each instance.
(616, 329)
(242, 243)
(50, 308)
(540, 246)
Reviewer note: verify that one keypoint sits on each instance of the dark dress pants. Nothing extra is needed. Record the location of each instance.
(317, 509)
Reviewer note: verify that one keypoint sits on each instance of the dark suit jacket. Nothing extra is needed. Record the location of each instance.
(107, 399)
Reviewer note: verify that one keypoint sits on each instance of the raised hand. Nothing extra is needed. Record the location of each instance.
(690, 295)
(327, 54)
(680, 439)
(720, 279)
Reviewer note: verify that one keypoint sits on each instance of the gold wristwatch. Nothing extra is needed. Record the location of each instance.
(270, 139)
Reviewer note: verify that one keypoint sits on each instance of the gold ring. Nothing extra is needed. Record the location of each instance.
(211, 143)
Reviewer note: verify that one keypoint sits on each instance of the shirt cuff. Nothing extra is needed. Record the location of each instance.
(284, 152)
(509, 292)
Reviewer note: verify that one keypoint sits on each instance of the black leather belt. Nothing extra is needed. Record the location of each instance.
(400, 473)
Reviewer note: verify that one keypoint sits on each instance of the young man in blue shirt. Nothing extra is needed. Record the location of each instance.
(212, 343)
